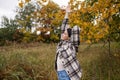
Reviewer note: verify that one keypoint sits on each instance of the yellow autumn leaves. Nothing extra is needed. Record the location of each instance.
(22, 2)
(90, 17)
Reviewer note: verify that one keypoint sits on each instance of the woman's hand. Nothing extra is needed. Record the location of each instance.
(68, 9)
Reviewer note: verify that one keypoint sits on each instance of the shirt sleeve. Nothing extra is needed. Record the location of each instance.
(64, 23)
(63, 26)
(75, 37)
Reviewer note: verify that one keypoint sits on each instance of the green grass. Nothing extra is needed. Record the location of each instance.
(36, 62)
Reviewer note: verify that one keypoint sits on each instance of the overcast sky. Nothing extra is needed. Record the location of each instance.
(7, 7)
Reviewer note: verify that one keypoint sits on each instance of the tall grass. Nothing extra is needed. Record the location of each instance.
(36, 62)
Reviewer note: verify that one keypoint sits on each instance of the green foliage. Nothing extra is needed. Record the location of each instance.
(9, 27)
(54, 36)
(18, 36)
(2, 62)
(26, 15)
(28, 37)
(115, 27)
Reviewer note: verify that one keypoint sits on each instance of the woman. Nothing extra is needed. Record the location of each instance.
(66, 64)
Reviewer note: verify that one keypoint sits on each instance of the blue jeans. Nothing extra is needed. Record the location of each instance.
(62, 75)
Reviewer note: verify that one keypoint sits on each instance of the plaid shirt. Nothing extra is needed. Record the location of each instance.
(67, 55)
(64, 25)
(75, 37)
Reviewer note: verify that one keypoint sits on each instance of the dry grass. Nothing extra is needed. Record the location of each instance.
(36, 62)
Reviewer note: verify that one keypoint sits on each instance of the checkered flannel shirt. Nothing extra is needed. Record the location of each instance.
(67, 55)
(64, 25)
(67, 52)
(75, 34)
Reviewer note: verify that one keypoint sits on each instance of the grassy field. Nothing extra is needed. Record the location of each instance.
(35, 61)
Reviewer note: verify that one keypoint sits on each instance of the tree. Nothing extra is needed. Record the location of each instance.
(47, 14)
(26, 14)
(96, 20)
(8, 29)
